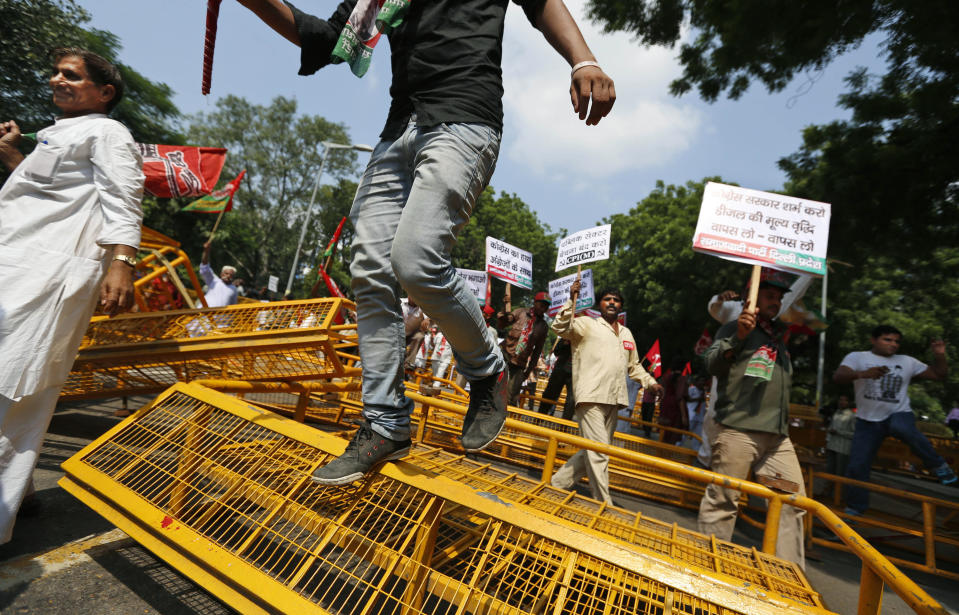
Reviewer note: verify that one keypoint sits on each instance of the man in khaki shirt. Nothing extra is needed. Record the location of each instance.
(603, 351)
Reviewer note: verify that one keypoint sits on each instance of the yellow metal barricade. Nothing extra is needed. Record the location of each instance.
(220, 489)
(442, 426)
(146, 353)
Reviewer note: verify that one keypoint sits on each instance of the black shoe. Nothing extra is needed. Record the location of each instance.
(365, 451)
(487, 412)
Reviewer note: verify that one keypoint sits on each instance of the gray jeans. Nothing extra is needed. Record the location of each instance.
(416, 195)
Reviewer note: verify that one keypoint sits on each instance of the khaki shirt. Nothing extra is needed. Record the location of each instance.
(602, 358)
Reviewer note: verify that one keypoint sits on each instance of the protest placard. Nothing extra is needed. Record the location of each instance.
(761, 228)
(476, 281)
(559, 292)
(509, 263)
(272, 283)
(585, 246)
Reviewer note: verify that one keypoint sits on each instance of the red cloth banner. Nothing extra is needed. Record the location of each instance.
(181, 170)
(703, 343)
(655, 360)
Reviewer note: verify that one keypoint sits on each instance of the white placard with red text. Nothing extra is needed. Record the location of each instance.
(762, 228)
(509, 263)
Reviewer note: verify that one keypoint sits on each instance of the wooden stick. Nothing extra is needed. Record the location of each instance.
(216, 224)
(754, 287)
(508, 299)
(575, 296)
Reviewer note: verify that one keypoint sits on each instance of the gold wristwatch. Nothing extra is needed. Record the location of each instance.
(129, 260)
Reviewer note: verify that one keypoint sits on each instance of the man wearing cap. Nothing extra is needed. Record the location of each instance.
(524, 341)
(603, 352)
(751, 363)
(220, 290)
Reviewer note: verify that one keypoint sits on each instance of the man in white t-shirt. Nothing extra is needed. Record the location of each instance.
(881, 379)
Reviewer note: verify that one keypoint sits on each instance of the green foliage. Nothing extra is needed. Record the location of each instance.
(737, 41)
(281, 153)
(30, 30)
(511, 220)
(887, 288)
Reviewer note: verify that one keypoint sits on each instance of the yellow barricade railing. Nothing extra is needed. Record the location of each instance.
(221, 490)
(939, 525)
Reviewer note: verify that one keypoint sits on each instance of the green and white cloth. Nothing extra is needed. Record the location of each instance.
(369, 20)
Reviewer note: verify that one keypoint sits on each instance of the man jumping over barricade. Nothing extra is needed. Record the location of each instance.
(436, 155)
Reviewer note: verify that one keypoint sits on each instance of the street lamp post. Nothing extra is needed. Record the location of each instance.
(327, 146)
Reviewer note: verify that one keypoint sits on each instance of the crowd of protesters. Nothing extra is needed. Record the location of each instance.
(737, 419)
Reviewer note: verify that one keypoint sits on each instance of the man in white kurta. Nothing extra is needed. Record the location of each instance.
(69, 219)
(220, 290)
(604, 352)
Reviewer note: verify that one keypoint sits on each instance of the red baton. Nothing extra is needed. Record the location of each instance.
(212, 12)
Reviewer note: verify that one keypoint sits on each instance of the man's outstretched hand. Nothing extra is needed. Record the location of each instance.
(590, 83)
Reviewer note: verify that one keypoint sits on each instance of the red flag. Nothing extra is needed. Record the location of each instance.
(703, 343)
(218, 200)
(181, 170)
(655, 360)
(331, 247)
(331, 285)
(688, 370)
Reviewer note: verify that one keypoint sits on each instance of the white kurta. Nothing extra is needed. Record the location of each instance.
(78, 191)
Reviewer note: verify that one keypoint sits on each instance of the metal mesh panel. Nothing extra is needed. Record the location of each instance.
(140, 370)
(529, 450)
(654, 536)
(220, 488)
(147, 352)
(212, 322)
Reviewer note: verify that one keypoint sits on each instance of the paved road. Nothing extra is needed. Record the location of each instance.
(70, 561)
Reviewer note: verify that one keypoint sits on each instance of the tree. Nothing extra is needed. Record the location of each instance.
(30, 29)
(281, 153)
(889, 171)
(511, 220)
(734, 42)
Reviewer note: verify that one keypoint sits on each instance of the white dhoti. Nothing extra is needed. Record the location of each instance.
(22, 426)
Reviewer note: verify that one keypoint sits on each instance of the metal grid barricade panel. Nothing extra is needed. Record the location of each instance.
(651, 535)
(213, 322)
(222, 490)
(146, 370)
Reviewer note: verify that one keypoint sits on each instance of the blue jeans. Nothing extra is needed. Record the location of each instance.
(865, 444)
(416, 195)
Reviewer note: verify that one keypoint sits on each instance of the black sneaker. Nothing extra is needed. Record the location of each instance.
(487, 412)
(365, 451)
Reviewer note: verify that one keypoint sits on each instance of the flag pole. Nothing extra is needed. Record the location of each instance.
(754, 287)
(575, 296)
(217, 223)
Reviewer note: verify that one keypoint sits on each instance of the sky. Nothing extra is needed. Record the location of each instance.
(572, 175)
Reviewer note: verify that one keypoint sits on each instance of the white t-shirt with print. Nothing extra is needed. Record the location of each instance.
(877, 398)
